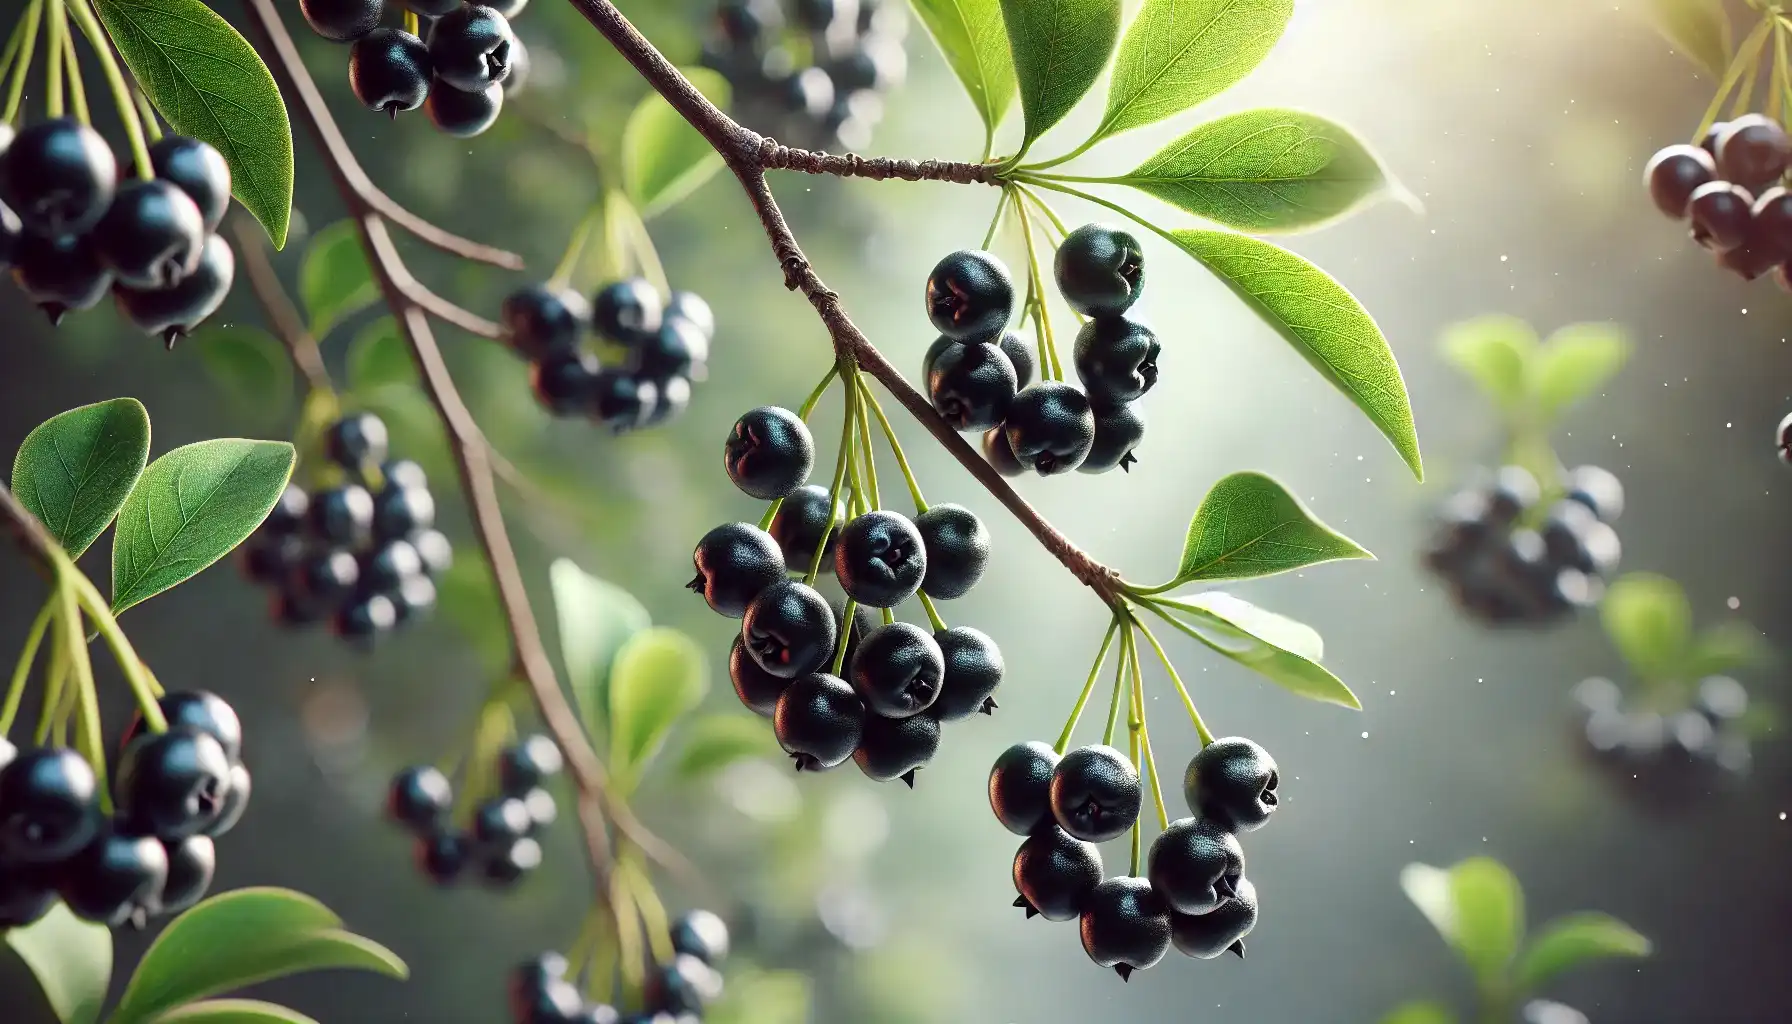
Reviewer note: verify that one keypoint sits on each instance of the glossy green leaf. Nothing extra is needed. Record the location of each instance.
(664, 159)
(335, 281)
(378, 357)
(1324, 323)
(596, 618)
(1575, 362)
(1488, 921)
(209, 83)
(243, 938)
(1421, 1013)
(1060, 48)
(190, 508)
(1248, 525)
(1572, 941)
(714, 742)
(1495, 352)
(71, 960)
(1699, 28)
(1263, 171)
(1429, 890)
(1726, 648)
(1274, 646)
(1178, 53)
(974, 39)
(233, 1011)
(658, 676)
(250, 366)
(75, 470)
(1650, 623)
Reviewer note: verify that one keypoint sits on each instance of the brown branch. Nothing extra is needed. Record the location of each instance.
(775, 156)
(283, 316)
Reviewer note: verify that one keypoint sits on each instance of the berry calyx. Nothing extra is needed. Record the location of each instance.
(819, 721)
(971, 385)
(805, 522)
(735, 562)
(1125, 925)
(49, 806)
(1095, 793)
(1055, 873)
(420, 799)
(1050, 428)
(1118, 431)
(342, 21)
(769, 453)
(171, 785)
(114, 879)
(898, 670)
(970, 296)
(196, 169)
(151, 236)
(1116, 359)
(389, 70)
(58, 177)
(974, 670)
(541, 322)
(469, 47)
(956, 544)
(789, 629)
(1218, 931)
(463, 114)
(1234, 782)
(1673, 174)
(1195, 865)
(896, 748)
(1100, 270)
(880, 559)
(700, 933)
(1020, 784)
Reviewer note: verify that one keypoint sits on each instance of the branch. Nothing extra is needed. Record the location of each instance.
(749, 155)
(282, 315)
(27, 532)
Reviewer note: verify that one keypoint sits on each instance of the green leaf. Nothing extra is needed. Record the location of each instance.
(1429, 889)
(249, 365)
(974, 39)
(658, 676)
(1182, 52)
(1323, 321)
(714, 742)
(761, 997)
(191, 507)
(1726, 648)
(1421, 1013)
(1263, 171)
(243, 938)
(1274, 646)
(1575, 362)
(1248, 525)
(596, 618)
(1699, 28)
(1575, 940)
(1650, 623)
(71, 960)
(378, 357)
(664, 159)
(1488, 918)
(1495, 352)
(75, 470)
(1059, 49)
(233, 1011)
(210, 83)
(334, 279)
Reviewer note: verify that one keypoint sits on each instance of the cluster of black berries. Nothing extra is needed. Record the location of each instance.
(1507, 560)
(904, 681)
(817, 78)
(71, 230)
(542, 990)
(1194, 896)
(1728, 189)
(501, 837)
(459, 77)
(1640, 739)
(364, 554)
(173, 793)
(663, 344)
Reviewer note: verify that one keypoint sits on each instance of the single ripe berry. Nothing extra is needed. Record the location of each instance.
(1118, 431)
(1195, 865)
(357, 441)
(60, 273)
(1055, 872)
(808, 93)
(701, 934)
(171, 785)
(1753, 151)
(896, 748)
(769, 453)
(543, 811)
(528, 765)
(1513, 491)
(735, 562)
(343, 515)
(1020, 784)
(1598, 489)
(531, 978)
(114, 879)
(1232, 781)
(1116, 359)
(1721, 215)
(443, 857)
(1000, 454)
(26, 895)
(289, 511)
(389, 70)
(1022, 356)
(1783, 439)
(540, 322)
(420, 799)
(512, 864)
(1673, 173)
(974, 670)
(1050, 428)
(940, 345)
(196, 709)
(196, 169)
(499, 823)
(192, 862)
(690, 307)
(236, 801)
(676, 349)
(49, 806)
(173, 313)
(972, 385)
(879, 559)
(1125, 925)
(1220, 930)
(685, 986)
(620, 400)
(1095, 793)
(627, 311)
(400, 512)
(898, 670)
(342, 21)
(804, 523)
(970, 296)
(671, 397)
(790, 629)
(747, 21)
(151, 236)
(469, 48)
(957, 547)
(563, 383)
(58, 176)
(819, 721)
(758, 689)
(436, 550)
(1100, 270)
(463, 114)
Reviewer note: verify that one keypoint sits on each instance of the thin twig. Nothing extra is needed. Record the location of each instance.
(283, 316)
(27, 533)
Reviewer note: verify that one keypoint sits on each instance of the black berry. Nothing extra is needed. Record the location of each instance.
(343, 516)
(1055, 873)
(201, 710)
(684, 986)
(463, 114)
(1020, 785)
(191, 864)
(60, 273)
(151, 236)
(819, 721)
(879, 559)
(289, 511)
(671, 397)
(540, 322)
(769, 453)
(1000, 454)
(622, 401)
(420, 799)
(528, 765)
(974, 670)
(735, 562)
(805, 522)
(1513, 491)
(627, 311)
(171, 785)
(1095, 793)
(443, 857)
(1195, 865)
(49, 806)
(957, 547)
(1050, 428)
(58, 176)
(897, 670)
(1100, 270)
(701, 934)
(499, 823)
(690, 307)
(196, 169)
(1673, 173)
(513, 863)
(970, 296)
(564, 383)
(790, 629)
(972, 385)
(469, 47)
(1721, 214)
(366, 619)
(1220, 930)
(401, 511)
(1116, 359)
(1125, 925)
(115, 878)
(1753, 151)
(676, 349)
(896, 748)
(1234, 782)
(173, 313)
(1118, 431)
(436, 550)
(26, 895)
(389, 70)
(758, 689)
(342, 21)
(1598, 489)
(236, 801)
(357, 441)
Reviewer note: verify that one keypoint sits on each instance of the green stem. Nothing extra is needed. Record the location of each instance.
(908, 473)
(54, 35)
(58, 678)
(1045, 207)
(1745, 97)
(414, 25)
(808, 405)
(1777, 78)
(579, 953)
(1046, 225)
(121, 92)
(653, 912)
(845, 635)
(1076, 713)
(1126, 647)
(1132, 733)
(933, 614)
(14, 39)
(1157, 792)
(575, 248)
(152, 124)
(27, 34)
(877, 499)
(995, 223)
(15, 692)
(640, 240)
(77, 90)
(142, 686)
(1087, 145)
(1745, 54)
(840, 462)
(89, 739)
(1049, 344)
(1181, 690)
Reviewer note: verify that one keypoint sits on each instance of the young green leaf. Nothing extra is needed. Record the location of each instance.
(210, 83)
(1495, 352)
(1700, 29)
(243, 938)
(71, 960)
(664, 159)
(974, 39)
(378, 357)
(1429, 890)
(191, 507)
(334, 280)
(1421, 1013)
(233, 1011)
(596, 618)
(1263, 171)
(1489, 917)
(75, 470)
(658, 676)
(1575, 362)
(1274, 646)
(1572, 941)
(1323, 321)
(1247, 526)
(250, 367)
(1059, 48)
(1650, 623)
(714, 742)
(1182, 52)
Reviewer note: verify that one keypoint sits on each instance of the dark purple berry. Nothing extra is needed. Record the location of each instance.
(701, 934)
(236, 801)
(1195, 865)
(1218, 931)
(49, 806)
(972, 385)
(420, 799)
(499, 823)
(1118, 431)
(1022, 355)
(469, 48)
(790, 629)
(196, 169)
(191, 864)
(114, 879)
(58, 176)
(897, 670)
(999, 454)
(1055, 873)
(1721, 215)
(685, 986)
(1050, 428)
(805, 522)
(289, 511)
(60, 273)
(627, 311)
(443, 857)
(1753, 151)
(402, 511)
(529, 764)
(1234, 782)
(970, 296)
(879, 559)
(389, 70)
(366, 619)
(342, 21)
(758, 689)
(151, 236)
(172, 785)
(173, 313)
(896, 748)
(26, 895)
(1095, 793)
(513, 863)
(1020, 785)
(463, 114)
(622, 401)
(357, 441)
(1125, 925)
(541, 322)
(1100, 270)
(676, 350)
(974, 670)
(957, 546)
(436, 550)
(819, 721)
(196, 709)
(735, 562)
(1116, 359)
(690, 307)
(564, 383)
(769, 453)
(1673, 173)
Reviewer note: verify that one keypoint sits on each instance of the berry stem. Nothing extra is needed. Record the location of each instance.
(121, 92)
(908, 473)
(995, 223)
(1076, 713)
(584, 945)
(1181, 690)
(840, 461)
(90, 740)
(25, 41)
(55, 32)
(1041, 311)
(14, 39)
(809, 403)
(640, 241)
(136, 675)
(1126, 651)
(1745, 96)
(21, 673)
(1157, 791)
(1776, 82)
(1134, 748)
(933, 614)
(865, 448)
(412, 23)
(77, 89)
(852, 606)
(51, 711)
(629, 953)
(1745, 53)
(152, 123)
(575, 248)
(653, 912)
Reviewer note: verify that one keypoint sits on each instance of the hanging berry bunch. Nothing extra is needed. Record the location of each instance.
(1532, 543)
(506, 806)
(546, 989)
(812, 72)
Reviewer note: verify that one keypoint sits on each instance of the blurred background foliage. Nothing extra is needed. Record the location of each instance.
(1521, 126)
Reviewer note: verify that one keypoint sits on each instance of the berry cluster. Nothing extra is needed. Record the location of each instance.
(173, 793)
(1506, 558)
(71, 230)
(1194, 896)
(500, 838)
(460, 77)
(363, 554)
(543, 991)
(816, 78)
(663, 344)
(1728, 189)
(1639, 739)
